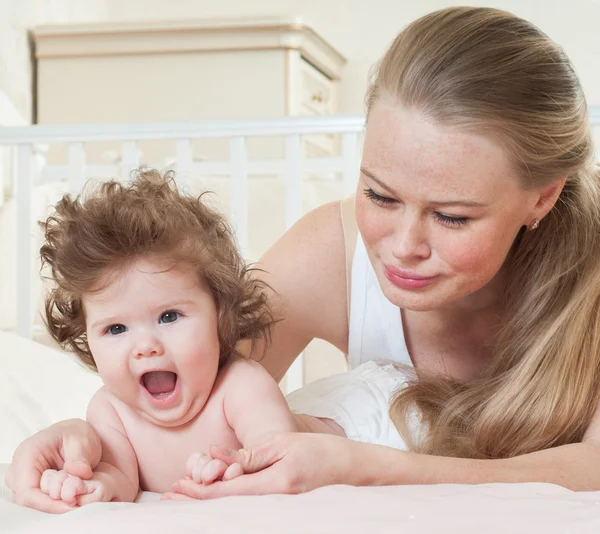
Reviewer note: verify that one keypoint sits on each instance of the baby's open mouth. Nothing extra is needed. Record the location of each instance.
(160, 384)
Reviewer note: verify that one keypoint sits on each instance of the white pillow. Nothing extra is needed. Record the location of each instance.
(39, 386)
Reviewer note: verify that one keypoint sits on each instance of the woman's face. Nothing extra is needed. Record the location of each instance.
(438, 209)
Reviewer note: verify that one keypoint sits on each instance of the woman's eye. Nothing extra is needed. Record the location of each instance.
(169, 317)
(378, 199)
(116, 329)
(386, 201)
(451, 221)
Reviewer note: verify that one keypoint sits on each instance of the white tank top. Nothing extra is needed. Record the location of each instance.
(375, 324)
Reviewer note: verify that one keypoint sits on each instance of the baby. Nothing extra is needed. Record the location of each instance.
(150, 291)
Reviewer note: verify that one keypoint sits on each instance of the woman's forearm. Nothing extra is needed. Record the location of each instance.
(575, 466)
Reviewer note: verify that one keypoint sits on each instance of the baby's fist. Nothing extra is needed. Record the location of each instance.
(72, 490)
(204, 469)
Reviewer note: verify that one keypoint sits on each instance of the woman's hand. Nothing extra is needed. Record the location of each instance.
(288, 463)
(72, 446)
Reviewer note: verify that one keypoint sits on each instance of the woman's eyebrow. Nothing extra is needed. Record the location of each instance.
(381, 184)
(441, 203)
(465, 203)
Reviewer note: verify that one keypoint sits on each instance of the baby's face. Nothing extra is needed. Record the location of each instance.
(153, 335)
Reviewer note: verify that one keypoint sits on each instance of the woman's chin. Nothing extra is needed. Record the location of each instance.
(419, 301)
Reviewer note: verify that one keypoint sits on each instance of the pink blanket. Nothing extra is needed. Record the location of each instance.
(488, 509)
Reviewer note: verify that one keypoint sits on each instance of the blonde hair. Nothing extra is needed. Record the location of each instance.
(96, 235)
(494, 73)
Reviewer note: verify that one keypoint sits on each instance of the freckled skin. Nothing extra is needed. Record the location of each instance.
(452, 207)
(421, 163)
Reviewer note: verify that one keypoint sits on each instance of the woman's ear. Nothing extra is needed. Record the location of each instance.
(548, 196)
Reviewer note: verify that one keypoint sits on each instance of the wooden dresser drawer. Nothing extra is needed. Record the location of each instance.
(317, 91)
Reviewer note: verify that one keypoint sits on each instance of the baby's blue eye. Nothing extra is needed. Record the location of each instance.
(116, 329)
(169, 317)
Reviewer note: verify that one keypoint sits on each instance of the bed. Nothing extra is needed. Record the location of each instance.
(40, 384)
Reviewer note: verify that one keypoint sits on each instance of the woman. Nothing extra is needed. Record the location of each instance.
(478, 207)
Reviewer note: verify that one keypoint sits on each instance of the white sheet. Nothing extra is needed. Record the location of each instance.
(489, 509)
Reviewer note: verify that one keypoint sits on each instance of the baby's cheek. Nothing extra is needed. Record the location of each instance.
(203, 363)
(116, 377)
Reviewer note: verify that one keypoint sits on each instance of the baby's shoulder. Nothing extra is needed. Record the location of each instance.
(241, 378)
(102, 400)
(242, 370)
(105, 407)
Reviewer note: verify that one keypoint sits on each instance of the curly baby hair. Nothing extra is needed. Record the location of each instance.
(92, 238)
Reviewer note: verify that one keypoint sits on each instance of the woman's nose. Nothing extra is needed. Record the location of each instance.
(411, 240)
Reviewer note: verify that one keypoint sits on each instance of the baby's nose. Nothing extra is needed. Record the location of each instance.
(148, 347)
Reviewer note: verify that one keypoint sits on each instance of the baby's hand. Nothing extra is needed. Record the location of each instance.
(204, 469)
(72, 490)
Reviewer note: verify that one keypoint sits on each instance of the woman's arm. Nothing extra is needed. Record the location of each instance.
(294, 463)
(575, 466)
(307, 271)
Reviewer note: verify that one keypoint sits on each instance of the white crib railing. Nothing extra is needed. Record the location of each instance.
(30, 167)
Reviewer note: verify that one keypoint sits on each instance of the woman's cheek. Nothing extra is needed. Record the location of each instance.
(478, 257)
(361, 219)
(373, 225)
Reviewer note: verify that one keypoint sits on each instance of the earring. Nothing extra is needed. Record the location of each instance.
(534, 225)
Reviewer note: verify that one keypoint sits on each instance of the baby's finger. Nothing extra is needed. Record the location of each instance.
(72, 487)
(214, 470)
(195, 466)
(95, 492)
(46, 479)
(233, 471)
(55, 484)
(87, 498)
(191, 463)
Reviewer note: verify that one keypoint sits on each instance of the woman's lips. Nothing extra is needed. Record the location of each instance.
(407, 279)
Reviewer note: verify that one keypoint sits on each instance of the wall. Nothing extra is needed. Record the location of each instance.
(16, 17)
(360, 30)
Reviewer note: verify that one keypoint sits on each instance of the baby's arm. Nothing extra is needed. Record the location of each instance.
(118, 468)
(254, 405)
(115, 478)
(254, 408)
